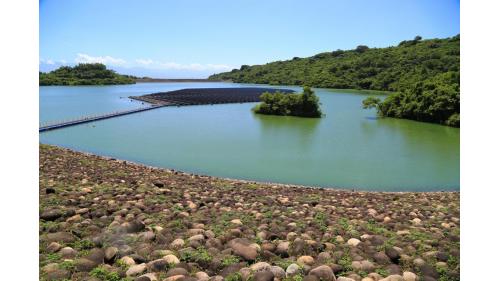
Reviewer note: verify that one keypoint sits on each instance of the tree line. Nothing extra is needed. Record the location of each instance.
(84, 74)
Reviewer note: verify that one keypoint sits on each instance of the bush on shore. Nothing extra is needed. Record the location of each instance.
(435, 100)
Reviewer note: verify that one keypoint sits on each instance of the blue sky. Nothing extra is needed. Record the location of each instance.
(183, 38)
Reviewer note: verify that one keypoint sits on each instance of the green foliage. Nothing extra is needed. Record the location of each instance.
(344, 223)
(371, 102)
(121, 264)
(305, 104)
(84, 74)
(346, 261)
(375, 228)
(83, 244)
(444, 275)
(435, 100)
(198, 255)
(382, 272)
(387, 69)
(52, 257)
(228, 260)
(283, 263)
(320, 219)
(425, 73)
(105, 275)
(68, 265)
(236, 276)
(297, 277)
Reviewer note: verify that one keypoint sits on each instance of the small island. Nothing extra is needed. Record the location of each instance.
(305, 104)
(84, 74)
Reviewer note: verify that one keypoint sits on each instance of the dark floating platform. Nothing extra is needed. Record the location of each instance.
(208, 96)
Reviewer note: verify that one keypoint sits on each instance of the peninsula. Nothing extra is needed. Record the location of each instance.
(84, 74)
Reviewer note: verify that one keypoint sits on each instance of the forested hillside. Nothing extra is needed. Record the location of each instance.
(388, 69)
(416, 69)
(84, 74)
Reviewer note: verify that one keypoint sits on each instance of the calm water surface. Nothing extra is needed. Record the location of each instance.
(349, 148)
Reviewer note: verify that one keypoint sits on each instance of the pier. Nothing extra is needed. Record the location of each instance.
(87, 119)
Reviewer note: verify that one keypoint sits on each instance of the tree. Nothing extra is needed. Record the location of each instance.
(435, 100)
(361, 48)
(371, 102)
(305, 104)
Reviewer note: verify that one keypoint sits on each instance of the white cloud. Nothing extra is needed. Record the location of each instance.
(144, 61)
(52, 62)
(108, 60)
(151, 64)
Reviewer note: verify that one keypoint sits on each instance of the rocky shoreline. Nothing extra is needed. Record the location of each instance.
(107, 219)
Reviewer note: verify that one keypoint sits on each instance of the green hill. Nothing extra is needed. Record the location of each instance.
(424, 73)
(84, 74)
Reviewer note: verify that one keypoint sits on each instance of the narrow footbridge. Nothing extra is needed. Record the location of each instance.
(177, 98)
(86, 119)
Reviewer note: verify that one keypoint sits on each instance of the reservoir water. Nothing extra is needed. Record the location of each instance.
(349, 148)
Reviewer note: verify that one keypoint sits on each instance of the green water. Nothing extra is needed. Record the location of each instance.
(349, 148)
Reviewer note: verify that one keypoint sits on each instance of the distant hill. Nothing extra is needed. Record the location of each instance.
(434, 62)
(84, 74)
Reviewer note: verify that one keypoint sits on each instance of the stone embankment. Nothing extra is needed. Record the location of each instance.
(106, 219)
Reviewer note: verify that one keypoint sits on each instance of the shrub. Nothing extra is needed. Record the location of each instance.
(305, 104)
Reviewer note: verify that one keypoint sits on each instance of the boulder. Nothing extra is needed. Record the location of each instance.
(323, 272)
(147, 277)
(260, 266)
(171, 259)
(278, 272)
(282, 249)
(64, 237)
(53, 247)
(85, 265)
(67, 253)
(177, 271)
(393, 277)
(292, 270)
(243, 248)
(136, 269)
(51, 215)
(409, 276)
(202, 276)
(305, 260)
(177, 244)
(393, 254)
(110, 254)
(157, 265)
(353, 242)
(96, 255)
(263, 276)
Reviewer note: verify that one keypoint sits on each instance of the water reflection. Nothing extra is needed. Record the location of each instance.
(293, 131)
